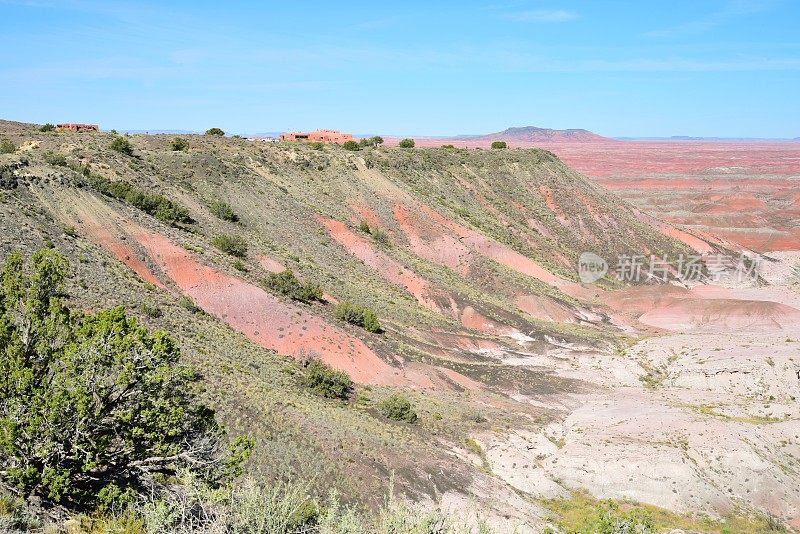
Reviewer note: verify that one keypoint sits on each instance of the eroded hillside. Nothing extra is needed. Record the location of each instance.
(466, 256)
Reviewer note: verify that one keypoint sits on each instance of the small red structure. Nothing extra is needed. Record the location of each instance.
(320, 136)
(74, 127)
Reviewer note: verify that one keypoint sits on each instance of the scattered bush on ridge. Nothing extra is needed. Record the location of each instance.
(357, 315)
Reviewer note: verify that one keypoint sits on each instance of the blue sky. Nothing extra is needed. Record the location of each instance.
(619, 68)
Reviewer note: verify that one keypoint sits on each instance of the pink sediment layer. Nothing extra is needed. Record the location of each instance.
(702, 309)
(262, 317)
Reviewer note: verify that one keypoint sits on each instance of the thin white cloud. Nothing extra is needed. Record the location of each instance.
(541, 15)
(732, 9)
(693, 27)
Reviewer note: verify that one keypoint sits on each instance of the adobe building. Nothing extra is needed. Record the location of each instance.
(320, 136)
(74, 127)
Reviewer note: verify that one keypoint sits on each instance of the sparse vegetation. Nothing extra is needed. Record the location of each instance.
(15, 518)
(407, 143)
(499, 144)
(398, 408)
(188, 304)
(55, 158)
(223, 210)
(122, 145)
(707, 409)
(287, 284)
(473, 446)
(150, 309)
(179, 144)
(325, 381)
(250, 507)
(235, 245)
(582, 514)
(215, 131)
(284, 192)
(357, 315)
(7, 147)
(609, 518)
(380, 236)
(70, 230)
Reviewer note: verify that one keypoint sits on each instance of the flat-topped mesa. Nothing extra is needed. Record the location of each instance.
(76, 127)
(320, 136)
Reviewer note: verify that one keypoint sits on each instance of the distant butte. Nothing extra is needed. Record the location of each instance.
(522, 136)
(533, 134)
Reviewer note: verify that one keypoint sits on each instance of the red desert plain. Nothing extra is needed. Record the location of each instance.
(746, 192)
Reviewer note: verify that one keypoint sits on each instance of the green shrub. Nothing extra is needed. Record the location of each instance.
(499, 144)
(168, 211)
(158, 206)
(16, 517)
(223, 210)
(54, 158)
(287, 284)
(473, 446)
(69, 230)
(235, 245)
(370, 321)
(215, 131)
(188, 304)
(381, 237)
(179, 144)
(251, 507)
(357, 315)
(325, 381)
(150, 309)
(364, 227)
(350, 145)
(448, 146)
(407, 143)
(371, 141)
(239, 265)
(47, 127)
(7, 147)
(121, 145)
(316, 145)
(398, 408)
(609, 518)
(84, 170)
(111, 410)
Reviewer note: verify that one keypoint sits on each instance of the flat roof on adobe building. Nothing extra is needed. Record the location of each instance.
(321, 136)
(77, 127)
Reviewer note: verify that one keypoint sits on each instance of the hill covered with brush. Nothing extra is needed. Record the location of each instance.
(422, 274)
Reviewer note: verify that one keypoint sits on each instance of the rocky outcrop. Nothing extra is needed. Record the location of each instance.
(9, 173)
